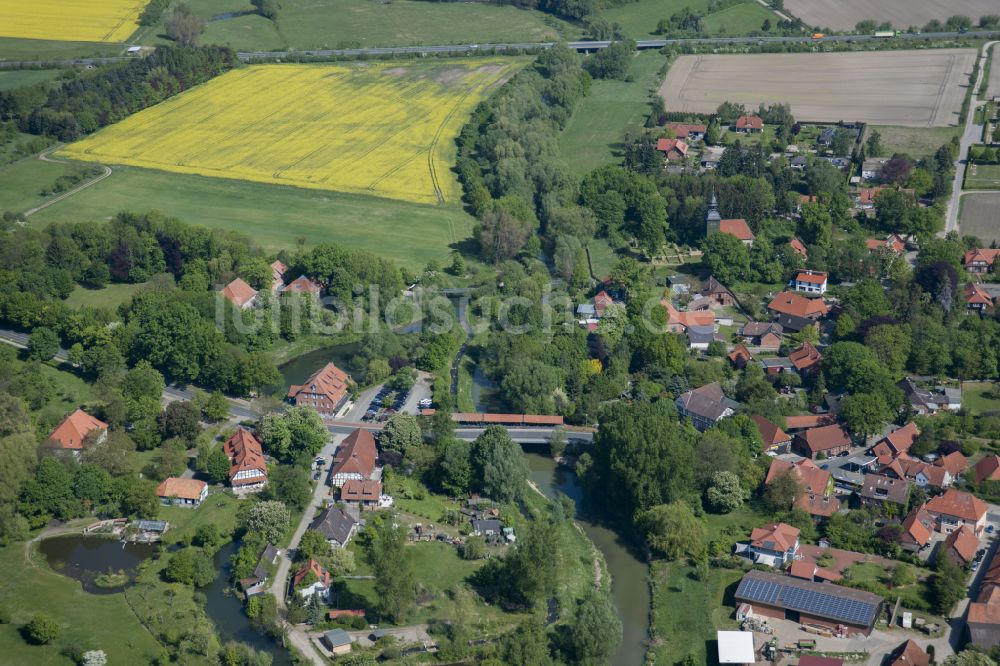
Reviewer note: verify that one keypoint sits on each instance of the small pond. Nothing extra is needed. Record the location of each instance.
(83, 558)
(298, 369)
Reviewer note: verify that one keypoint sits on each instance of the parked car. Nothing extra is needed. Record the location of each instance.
(989, 529)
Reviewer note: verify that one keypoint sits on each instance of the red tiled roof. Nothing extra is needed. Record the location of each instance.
(776, 536)
(901, 439)
(825, 438)
(329, 381)
(959, 504)
(976, 295)
(894, 242)
(964, 543)
(245, 453)
(737, 227)
(740, 355)
(239, 293)
(814, 480)
(671, 145)
(303, 285)
(278, 270)
(686, 319)
(74, 429)
(954, 462)
(917, 526)
(681, 130)
(769, 432)
(811, 277)
(805, 357)
(356, 455)
(817, 504)
(808, 421)
(791, 303)
(188, 489)
(365, 490)
(908, 654)
(988, 255)
(799, 248)
(988, 469)
(812, 660)
(754, 122)
(315, 567)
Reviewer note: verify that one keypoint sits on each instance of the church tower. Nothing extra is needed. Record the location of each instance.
(712, 218)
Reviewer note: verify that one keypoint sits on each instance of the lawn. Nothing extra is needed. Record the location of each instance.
(602, 257)
(70, 20)
(92, 621)
(306, 24)
(978, 215)
(26, 77)
(976, 398)
(23, 182)
(917, 142)
(110, 296)
(638, 19)
(71, 389)
(739, 19)
(593, 137)
(219, 510)
(275, 216)
(687, 612)
(982, 177)
(372, 129)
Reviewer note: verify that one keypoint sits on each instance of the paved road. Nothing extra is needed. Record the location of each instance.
(44, 156)
(973, 134)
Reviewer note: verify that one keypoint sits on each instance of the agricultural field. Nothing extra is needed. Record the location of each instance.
(276, 217)
(638, 19)
(41, 49)
(916, 142)
(384, 130)
(23, 182)
(993, 85)
(909, 88)
(26, 77)
(70, 20)
(110, 296)
(982, 177)
(593, 136)
(844, 14)
(980, 216)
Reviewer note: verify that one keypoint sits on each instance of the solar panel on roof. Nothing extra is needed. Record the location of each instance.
(808, 601)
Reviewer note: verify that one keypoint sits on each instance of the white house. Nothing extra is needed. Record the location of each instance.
(810, 282)
(774, 545)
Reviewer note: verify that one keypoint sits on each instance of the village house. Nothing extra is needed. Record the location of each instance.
(312, 578)
(976, 298)
(809, 603)
(960, 546)
(336, 524)
(248, 469)
(717, 293)
(765, 336)
(797, 423)
(895, 443)
(774, 545)
(796, 305)
(686, 131)
(983, 618)
(799, 248)
(812, 479)
(182, 492)
(830, 440)
(711, 157)
(987, 469)
(326, 391)
(776, 366)
(954, 463)
(955, 508)
(355, 459)
(798, 163)
(810, 282)
(278, 270)
(907, 654)
(920, 473)
(740, 356)
(303, 285)
(775, 439)
(879, 490)
(679, 321)
(871, 168)
(240, 294)
(749, 125)
(706, 406)
(363, 494)
(917, 529)
(980, 260)
(930, 400)
(700, 337)
(893, 243)
(805, 358)
(72, 431)
(806, 569)
(675, 150)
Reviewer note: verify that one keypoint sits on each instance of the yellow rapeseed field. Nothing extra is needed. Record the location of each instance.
(70, 20)
(382, 129)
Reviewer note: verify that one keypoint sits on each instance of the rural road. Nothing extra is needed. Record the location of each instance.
(973, 134)
(44, 156)
(489, 48)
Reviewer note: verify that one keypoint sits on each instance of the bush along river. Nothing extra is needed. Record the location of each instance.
(629, 575)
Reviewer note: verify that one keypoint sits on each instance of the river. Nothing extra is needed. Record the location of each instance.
(629, 587)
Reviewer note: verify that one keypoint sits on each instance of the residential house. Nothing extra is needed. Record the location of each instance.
(893, 243)
(73, 430)
(776, 366)
(303, 285)
(338, 641)
(980, 260)
(830, 440)
(312, 578)
(954, 463)
(879, 490)
(896, 442)
(240, 294)
(812, 479)
(817, 506)
(766, 336)
(688, 132)
(955, 508)
(795, 424)
(337, 525)
(774, 437)
(806, 569)
(326, 391)
(488, 528)
(805, 358)
(364, 494)
(917, 529)
(674, 149)
(775, 545)
(679, 321)
(907, 654)
(799, 248)
(248, 469)
(809, 281)
(706, 406)
(864, 199)
(740, 356)
(355, 459)
(826, 136)
(922, 474)
(254, 584)
(795, 324)
(749, 125)
(717, 293)
(798, 163)
(699, 337)
(871, 168)
(930, 400)
(983, 618)
(601, 303)
(711, 157)
(796, 305)
(182, 492)
(278, 270)
(960, 546)
(976, 298)
(987, 469)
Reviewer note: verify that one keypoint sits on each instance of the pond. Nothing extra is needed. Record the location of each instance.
(226, 611)
(298, 369)
(629, 586)
(84, 558)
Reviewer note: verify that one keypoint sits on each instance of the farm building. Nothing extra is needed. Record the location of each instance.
(823, 605)
(73, 430)
(240, 294)
(736, 647)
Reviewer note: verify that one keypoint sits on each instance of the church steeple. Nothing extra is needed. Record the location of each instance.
(712, 218)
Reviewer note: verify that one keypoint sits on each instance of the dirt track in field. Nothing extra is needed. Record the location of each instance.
(844, 14)
(911, 88)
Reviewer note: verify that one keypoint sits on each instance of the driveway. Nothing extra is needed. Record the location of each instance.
(360, 407)
(421, 389)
